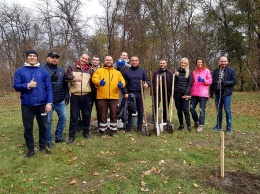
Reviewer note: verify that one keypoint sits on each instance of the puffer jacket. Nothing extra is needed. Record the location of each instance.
(112, 77)
(59, 86)
(80, 88)
(182, 84)
(42, 93)
(201, 89)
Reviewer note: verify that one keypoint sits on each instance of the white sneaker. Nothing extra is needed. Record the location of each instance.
(200, 128)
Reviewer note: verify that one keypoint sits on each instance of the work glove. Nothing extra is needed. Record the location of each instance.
(120, 63)
(120, 85)
(67, 101)
(102, 82)
(200, 79)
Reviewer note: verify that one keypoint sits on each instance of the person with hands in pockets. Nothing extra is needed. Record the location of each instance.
(201, 80)
(34, 84)
(108, 82)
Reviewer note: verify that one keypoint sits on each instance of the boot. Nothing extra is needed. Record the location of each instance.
(196, 124)
(181, 127)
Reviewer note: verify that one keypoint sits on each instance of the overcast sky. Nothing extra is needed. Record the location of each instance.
(93, 8)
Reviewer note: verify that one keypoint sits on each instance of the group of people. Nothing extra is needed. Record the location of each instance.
(47, 88)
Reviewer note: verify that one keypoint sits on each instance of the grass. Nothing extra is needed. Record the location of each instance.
(171, 163)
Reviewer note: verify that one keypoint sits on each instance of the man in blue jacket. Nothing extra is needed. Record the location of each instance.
(60, 98)
(132, 76)
(223, 80)
(33, 82)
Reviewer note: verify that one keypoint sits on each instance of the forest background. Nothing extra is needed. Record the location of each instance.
(150, 29)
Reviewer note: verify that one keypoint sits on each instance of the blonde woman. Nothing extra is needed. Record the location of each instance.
(182, 86)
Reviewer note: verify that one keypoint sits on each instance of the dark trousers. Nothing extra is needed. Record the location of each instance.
(164, 106)
(182, 106)
(103, 106)
(28, 114)
(140, 112)
(79, 104)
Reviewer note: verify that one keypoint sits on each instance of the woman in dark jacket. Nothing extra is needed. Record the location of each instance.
(182, 86)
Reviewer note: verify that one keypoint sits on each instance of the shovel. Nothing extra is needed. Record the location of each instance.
(145, 130)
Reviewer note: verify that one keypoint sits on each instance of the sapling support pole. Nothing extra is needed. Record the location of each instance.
(222, 154)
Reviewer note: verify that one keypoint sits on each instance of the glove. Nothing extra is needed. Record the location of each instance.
(120, 63)
(222, 84)
(200, 79)
(120, 85)
(211, 95)
(67, 101)
(102, 82)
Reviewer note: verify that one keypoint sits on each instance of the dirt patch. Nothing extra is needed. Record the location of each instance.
(236, 182)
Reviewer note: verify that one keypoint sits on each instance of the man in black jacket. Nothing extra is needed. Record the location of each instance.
(60, 98)
(223, 80)
(132, 76)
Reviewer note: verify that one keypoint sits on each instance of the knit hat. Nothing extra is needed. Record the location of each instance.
(28, 52)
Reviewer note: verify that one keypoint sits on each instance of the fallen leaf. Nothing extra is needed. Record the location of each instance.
(161, 162)
(95, 174)
(30, 179)
(44, 183)
(184, 162)
(143, 184)
(143, 162)
(195, 185)
(84, 182)
(72, 182)
(144, 189)
(180, 149)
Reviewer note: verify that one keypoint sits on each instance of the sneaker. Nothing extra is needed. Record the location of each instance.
(45, 150)
(216, 129)
(29, 154)
(181, 127)
(228, 132)
(200, 128)
(60, 140)
(87, 135)
(71, 140)
(50, 144)
(196, 124)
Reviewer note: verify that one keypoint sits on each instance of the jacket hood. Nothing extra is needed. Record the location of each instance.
(28, 65)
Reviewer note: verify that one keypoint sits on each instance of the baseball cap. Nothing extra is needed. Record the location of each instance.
(53, 54)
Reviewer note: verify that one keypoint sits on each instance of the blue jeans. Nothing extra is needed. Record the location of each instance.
(60, 108)
(194, 102)
(226, 102)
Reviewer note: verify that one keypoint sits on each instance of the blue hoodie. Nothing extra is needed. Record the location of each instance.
(42, 93)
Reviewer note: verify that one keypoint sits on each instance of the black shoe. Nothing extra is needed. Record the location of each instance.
(87, 135)
(29, 154)
(50, 144)
(60, 140)
(45, 150)
(71, 140)
(189, 129)
(181, 127)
